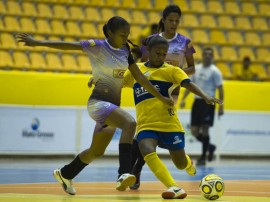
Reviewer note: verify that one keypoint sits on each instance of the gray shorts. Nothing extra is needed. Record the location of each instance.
(99, 110)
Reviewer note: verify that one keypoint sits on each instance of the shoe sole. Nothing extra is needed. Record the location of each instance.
(135, 186)
(171, 195)
(126, 183)
(58, 177)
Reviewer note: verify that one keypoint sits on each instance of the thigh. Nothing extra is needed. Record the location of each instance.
(119, 118)
(147, 141)
(147, 146)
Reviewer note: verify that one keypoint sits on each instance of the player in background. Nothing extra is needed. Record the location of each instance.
(110, 58)
(180, 52)
(209, 78)
(158, 124)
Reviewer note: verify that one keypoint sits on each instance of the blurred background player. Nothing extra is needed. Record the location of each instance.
(246, 73)
(158, 124)
(147, 31)
(209, 78)
(109, 59)
(180, 52)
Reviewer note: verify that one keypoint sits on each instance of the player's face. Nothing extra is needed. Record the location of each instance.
(207, 57)
(157, 55)
(119, 38)
(171, 23)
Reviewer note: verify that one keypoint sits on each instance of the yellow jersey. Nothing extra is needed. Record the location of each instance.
(151, 113)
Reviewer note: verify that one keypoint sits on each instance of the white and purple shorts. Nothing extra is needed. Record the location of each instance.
(99, 110)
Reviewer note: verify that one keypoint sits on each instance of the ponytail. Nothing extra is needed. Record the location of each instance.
(161, 27)
(105, 30)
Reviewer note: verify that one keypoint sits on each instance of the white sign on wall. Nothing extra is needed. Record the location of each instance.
(43, 130)
(37, 130)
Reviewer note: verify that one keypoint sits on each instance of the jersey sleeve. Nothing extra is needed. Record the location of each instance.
(128, 80)
(178, 75)
(90, 46)
(189, 48)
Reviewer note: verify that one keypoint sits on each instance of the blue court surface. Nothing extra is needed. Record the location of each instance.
(39, 170)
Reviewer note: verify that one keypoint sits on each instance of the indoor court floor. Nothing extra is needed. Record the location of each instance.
(31, 180)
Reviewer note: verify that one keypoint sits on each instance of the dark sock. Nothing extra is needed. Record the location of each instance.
(137, 168)
(205, 145)
(124, 159)
(199, 137)
(134, 152)
(74, 168)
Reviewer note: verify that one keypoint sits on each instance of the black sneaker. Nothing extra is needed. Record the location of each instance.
(137, 183)
(211, 150)
(201, 162)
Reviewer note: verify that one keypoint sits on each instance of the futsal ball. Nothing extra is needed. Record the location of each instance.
(212, 187)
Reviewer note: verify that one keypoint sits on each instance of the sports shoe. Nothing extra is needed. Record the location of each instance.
(174, 193)
(211, 150)
(66, 184)
(191, 170)
(137, 183)
(201, 162)
(124, 181)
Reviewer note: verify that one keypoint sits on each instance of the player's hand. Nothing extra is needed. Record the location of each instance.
(27, 39)
(220, 111)
(182, 104)
(91, 82)
(213, 100)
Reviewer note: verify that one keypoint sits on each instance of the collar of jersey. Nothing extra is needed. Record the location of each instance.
(147, 65)
(111, 46)
(168, 39)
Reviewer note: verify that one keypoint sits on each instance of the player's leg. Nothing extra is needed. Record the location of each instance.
(100, 140)
(182, 161)
(207, 122)
(121, 119)
(137, 164)
(148, 141)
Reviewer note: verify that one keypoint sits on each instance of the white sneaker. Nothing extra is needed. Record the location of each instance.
(66, 184)
(174, 193)
(124, 181)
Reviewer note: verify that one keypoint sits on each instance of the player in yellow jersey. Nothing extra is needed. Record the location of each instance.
(158, 124)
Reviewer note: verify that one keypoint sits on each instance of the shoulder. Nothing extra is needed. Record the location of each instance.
(215, 70)
(182, 38)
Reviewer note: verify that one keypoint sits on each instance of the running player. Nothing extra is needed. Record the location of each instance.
(158, 124)
(109, 59)
(180, 52)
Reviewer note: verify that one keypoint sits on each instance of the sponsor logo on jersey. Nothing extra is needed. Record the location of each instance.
(92, 42)
(118, 73)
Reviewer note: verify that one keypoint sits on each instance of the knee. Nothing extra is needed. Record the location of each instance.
(130, 124)
(181, 165)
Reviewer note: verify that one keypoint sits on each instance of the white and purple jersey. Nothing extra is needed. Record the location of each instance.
(179, 48)
(108, 67)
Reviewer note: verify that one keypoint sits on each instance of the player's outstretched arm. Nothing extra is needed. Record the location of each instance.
(28, 40)
(192, 87)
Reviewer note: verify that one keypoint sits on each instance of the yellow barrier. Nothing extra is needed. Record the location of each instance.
(32, 88)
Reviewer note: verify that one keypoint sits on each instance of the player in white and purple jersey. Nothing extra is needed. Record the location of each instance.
(109, 59)
(180, 52)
